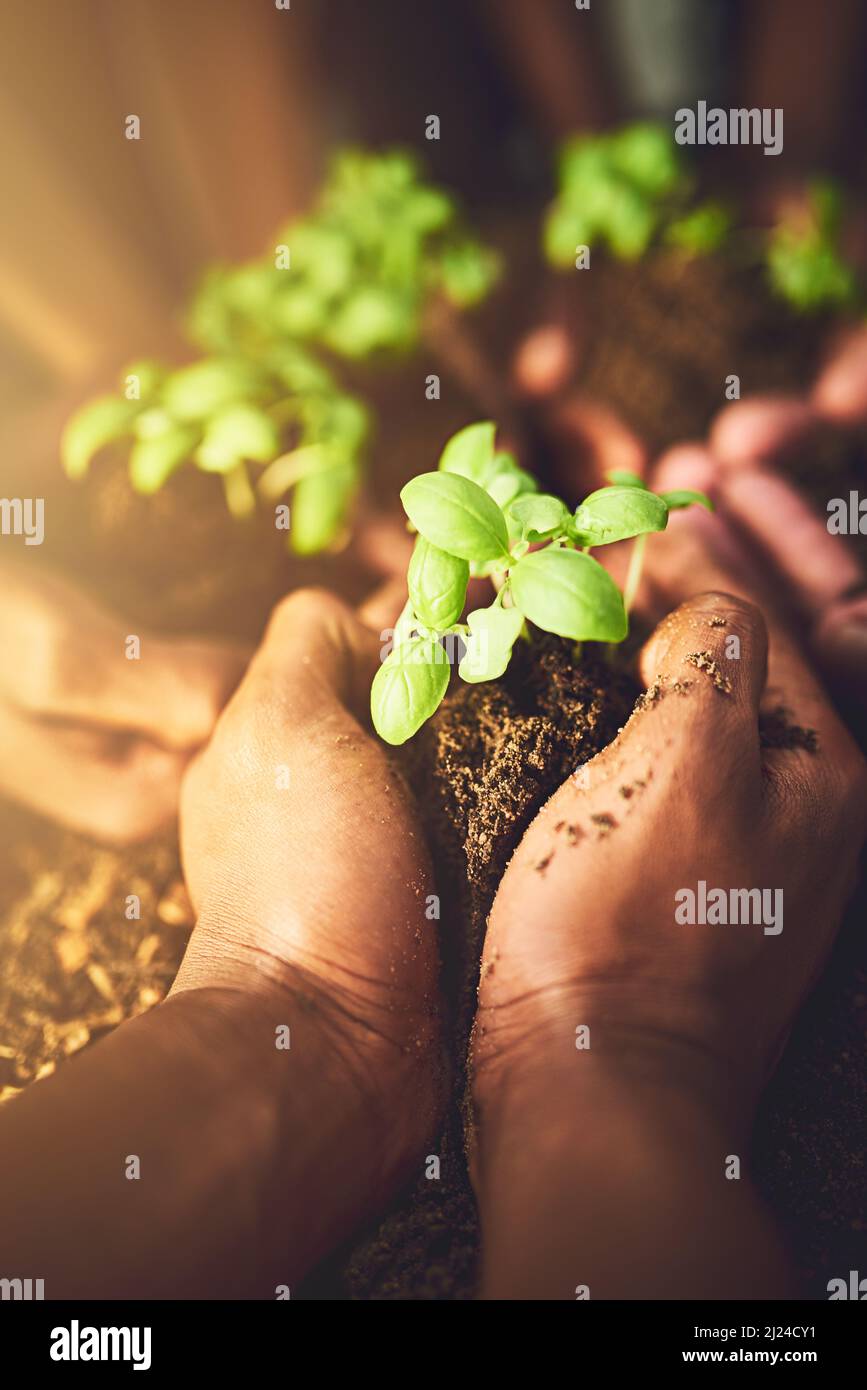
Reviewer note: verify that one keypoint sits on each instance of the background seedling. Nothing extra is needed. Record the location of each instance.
(354, 276)
(621, 191)
(226, 415)
(804, 260)
(380, 262)
(631, 189)
(480, 514)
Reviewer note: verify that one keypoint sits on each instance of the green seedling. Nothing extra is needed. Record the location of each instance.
(804, 262)
(356, 274)
(624, 190)
(356, 277)
(630, 190)
(480, 514)
(227, 415)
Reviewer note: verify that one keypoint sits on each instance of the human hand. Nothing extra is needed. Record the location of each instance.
(685, 1021)
(309, 877)
(750, 443)
(90, 738)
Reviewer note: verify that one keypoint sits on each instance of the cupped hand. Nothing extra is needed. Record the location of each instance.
(307, 868)
(584, 929)
(90, 736)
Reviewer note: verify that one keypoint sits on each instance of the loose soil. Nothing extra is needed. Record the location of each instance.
(665, 336)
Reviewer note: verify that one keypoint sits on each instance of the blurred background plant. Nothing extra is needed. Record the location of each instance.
(355, 275)
(357, 278)
(631, 189)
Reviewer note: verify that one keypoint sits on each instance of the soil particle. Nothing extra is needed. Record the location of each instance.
(651, 696)
(574, 833)
(704, 661)
(777, 730)
(716, 622)
(605, 822)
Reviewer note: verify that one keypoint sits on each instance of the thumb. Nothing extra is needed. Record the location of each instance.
(316, 651)
(707, 662)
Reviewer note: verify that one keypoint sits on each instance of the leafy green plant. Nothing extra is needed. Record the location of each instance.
(804, 261)
(354, 275)
(226, 414)
(480, 514)
(630, 189)
(623, 190)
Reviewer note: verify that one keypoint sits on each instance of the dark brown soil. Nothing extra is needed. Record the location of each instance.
(663, 337)
(668, 331)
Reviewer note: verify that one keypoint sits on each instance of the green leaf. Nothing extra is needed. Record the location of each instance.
(320, 507)
(570, 594)
(630, 224)
(407, 688)
(493, 632)
(199, 391)
(344, 422)
(371, 318)
(563, 232)
(616, 513)
(468, 271)
(456, 514)
(323, 256)
(647, 155)
(298, 370)
(239, 432)
(621, 477)
(94, 425)
(539, 515)
(700, 231)
(150, 377)
(470, 452)
(505, 480)
(827, 204)
(152, 461)
(153, 422)
(437, 584)
(685, 497)
(300, 310)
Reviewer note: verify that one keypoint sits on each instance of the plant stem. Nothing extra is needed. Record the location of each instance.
(240, 497)
(633, 574)
(280, 475)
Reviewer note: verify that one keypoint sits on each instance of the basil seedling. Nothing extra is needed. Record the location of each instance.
(226, 415)
(479, 513)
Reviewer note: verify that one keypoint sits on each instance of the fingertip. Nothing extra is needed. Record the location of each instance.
(761, 427)
(840, 643)
(840, 391)
(544, 362)
(818, 566)
(690, 465)
(713, 649)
